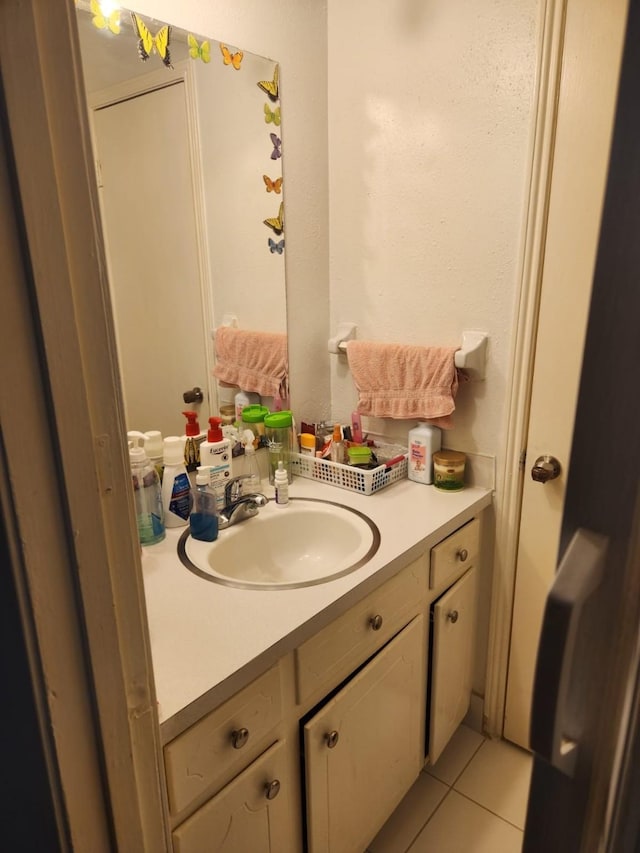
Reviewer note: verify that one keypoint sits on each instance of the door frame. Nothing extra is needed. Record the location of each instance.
(77, 559)
(549, 101)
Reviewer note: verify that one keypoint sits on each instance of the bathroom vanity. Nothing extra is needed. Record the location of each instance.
(308, 713)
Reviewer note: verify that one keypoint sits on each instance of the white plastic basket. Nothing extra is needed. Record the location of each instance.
(361, 480)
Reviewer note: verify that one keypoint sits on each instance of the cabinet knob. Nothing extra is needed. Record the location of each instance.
(332, 738)
(452, 616)
(272, 789)
(376, 622)
(462, 554)
(239, 737)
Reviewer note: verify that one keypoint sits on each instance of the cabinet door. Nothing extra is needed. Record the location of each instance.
(251, 815)
(365, 748)
(451, 661)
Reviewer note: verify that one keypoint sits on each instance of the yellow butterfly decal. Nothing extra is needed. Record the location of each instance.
(272, 186)
(148, 42)
(231, 58)
(102, 21)
(271, 87)
(276, 223)
(202, 51)
(271, 115)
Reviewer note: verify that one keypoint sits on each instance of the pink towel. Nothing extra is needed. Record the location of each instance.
(254, 361)
(401, 381)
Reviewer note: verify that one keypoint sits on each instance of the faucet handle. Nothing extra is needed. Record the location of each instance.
(232, 488)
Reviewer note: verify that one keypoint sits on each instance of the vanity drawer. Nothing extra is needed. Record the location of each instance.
(223, 742)
(253, 812)
(329, 656)
(454, 555)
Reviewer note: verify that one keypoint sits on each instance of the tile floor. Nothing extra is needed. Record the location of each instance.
(473, 800)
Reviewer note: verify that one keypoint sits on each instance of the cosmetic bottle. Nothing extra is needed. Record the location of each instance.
(147, 496)
(193, 438)
(176, 488)
(282, 485)
(245, 398)
(154, 449)
(337, 445)
(203, 519)
(215, 454)
(356, 428)
(252, 483)
(424, 441)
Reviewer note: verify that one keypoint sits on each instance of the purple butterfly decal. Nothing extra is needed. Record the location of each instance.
(277, 142)
(276, 247)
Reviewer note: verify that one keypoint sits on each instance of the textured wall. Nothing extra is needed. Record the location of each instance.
(429, 133)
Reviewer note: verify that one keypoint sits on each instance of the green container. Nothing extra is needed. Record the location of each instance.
(278, 429)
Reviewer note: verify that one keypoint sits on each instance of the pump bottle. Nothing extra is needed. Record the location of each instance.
(147, 495)
(176, 488)
(215, 454)
(193, 438)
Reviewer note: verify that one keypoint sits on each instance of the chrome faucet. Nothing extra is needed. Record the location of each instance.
(238, 507)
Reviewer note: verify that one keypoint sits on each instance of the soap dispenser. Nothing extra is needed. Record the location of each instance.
(215, 453)
(146, 491)
(193, 438)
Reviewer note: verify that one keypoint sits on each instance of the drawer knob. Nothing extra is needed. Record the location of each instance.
(332, 739)
(239, 737)
(272, 789)
(462, 555)
(452, 616)
(376, 622)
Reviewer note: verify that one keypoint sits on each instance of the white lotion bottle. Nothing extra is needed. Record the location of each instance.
(215, 454)
(424, 440)
(176, 487)
(281, 482)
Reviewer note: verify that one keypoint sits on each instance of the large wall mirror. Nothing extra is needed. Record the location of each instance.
(187, 139)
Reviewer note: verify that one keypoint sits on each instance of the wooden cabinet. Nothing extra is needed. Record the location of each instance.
(341, 720)
(364, 749)
(452, 645)
(250, 815)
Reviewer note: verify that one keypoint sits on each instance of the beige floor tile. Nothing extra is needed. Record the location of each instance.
(498, 777)
(410, 816)
(457, 754)
(461, 826)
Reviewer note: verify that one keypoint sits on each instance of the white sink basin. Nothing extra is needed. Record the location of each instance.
(304, 543)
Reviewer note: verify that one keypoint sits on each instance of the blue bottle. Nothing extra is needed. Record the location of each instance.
(203, 521)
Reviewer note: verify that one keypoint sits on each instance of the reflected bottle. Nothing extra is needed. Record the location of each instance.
(147, 497)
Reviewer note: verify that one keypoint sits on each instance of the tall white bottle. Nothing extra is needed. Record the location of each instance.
(176, 488)
(424, 440)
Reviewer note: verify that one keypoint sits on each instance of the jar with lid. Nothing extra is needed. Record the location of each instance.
(278, 428)
(448, 470)
(253, 418)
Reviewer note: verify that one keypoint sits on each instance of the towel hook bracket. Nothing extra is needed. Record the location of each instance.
(346, 332)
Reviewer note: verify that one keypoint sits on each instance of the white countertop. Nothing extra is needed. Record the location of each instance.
(209, 640)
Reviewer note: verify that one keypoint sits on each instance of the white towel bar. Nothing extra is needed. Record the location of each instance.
(471, 357)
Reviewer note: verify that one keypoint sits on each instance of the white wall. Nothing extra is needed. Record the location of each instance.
(430, 120)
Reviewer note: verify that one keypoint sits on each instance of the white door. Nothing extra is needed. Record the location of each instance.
(149, 221)
(590, 68)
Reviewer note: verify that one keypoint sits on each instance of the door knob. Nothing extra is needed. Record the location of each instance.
(545, 468)
(194, 395)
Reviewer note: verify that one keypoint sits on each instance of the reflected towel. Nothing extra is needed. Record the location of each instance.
(401, 381)
(254, 361)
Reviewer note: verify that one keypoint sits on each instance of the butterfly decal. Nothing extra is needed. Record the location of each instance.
(272, 186)
(272, 115)
(231, 58)
(147, 42)
(276, 247)
(276, 223)
(277, 142)
(104, 22)
(199, 51)
(271, 87)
